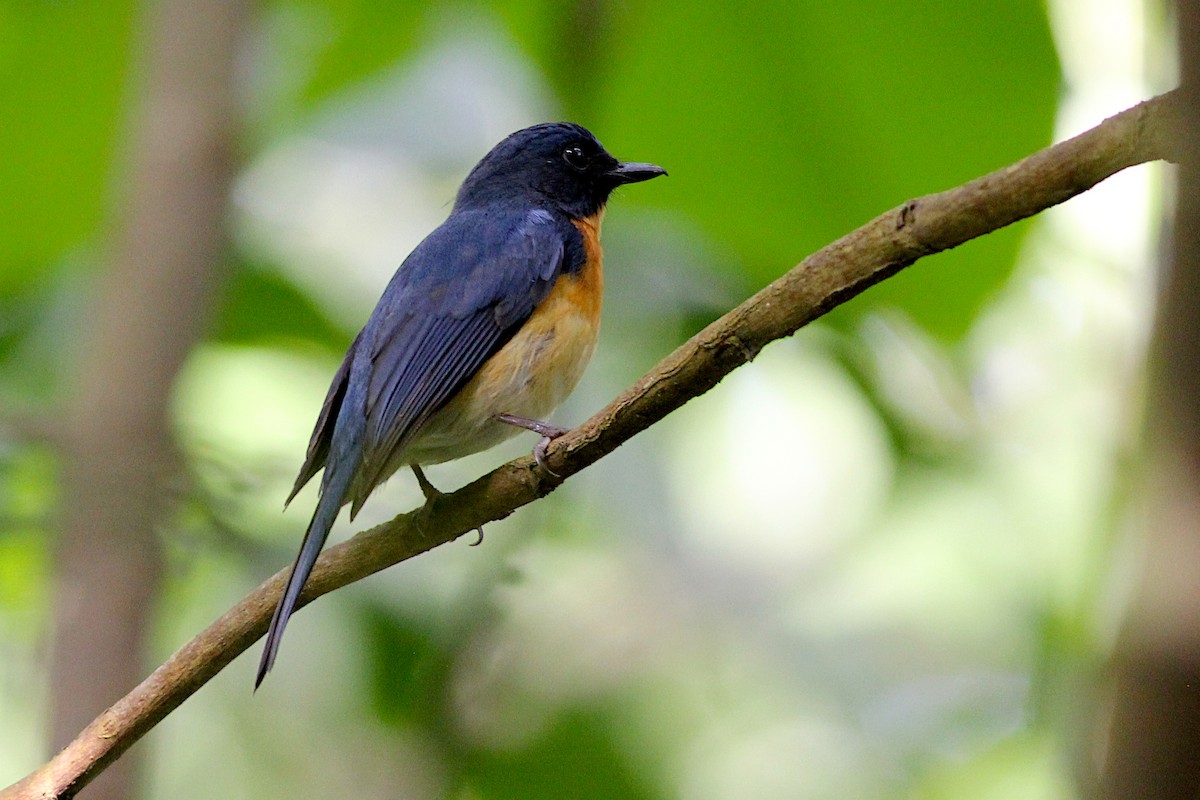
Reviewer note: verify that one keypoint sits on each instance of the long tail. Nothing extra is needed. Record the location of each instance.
(332, 493)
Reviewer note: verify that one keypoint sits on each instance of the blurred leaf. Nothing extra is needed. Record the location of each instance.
(789, 125)
(39, 331)
(356, 39)
(20, 312)
(408, 669)
(24, 583)
(28, 499)
(576, 758)
(64, 68)
(572, 42)
(1027, 766)
(260, 305)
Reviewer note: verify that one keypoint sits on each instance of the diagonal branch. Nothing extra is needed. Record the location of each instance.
(822, 281)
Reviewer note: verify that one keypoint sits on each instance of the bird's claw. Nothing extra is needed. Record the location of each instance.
(539, 456)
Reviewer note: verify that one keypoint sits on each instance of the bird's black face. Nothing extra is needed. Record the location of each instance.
(559, 163)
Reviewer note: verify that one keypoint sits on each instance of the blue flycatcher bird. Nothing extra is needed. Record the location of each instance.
(484, 329)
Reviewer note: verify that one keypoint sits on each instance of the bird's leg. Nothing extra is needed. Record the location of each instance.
(432, 494)
(549, 433)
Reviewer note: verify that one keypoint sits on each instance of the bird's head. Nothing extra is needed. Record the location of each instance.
(558, 163)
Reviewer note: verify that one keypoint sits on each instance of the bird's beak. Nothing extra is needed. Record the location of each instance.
(632, 172)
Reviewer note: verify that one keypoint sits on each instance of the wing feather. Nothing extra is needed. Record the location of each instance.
(322, 435)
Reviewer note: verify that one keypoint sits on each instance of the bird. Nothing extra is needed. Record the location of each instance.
(483, 331)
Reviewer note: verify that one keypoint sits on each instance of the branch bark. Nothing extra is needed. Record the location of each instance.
(822, 281)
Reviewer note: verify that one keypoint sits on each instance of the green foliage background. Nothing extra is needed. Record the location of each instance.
(917, 635)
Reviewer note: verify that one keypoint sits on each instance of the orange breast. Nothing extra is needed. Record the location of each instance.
(587, 286)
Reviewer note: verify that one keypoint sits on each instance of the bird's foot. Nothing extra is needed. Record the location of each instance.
(549, 433)
(432, 495)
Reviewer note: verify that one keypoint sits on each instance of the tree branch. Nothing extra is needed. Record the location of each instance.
(822, 281)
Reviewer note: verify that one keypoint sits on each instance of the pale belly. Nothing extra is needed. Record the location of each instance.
(529, 377)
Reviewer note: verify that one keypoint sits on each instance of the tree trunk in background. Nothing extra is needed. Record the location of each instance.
(1153, 736)
(149, 310)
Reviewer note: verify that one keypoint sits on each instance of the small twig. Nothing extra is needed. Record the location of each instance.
(822, 281)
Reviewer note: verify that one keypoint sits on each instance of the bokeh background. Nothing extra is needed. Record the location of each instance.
(887, 559)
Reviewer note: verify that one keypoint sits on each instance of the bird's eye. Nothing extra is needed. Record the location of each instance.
(575, 158)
